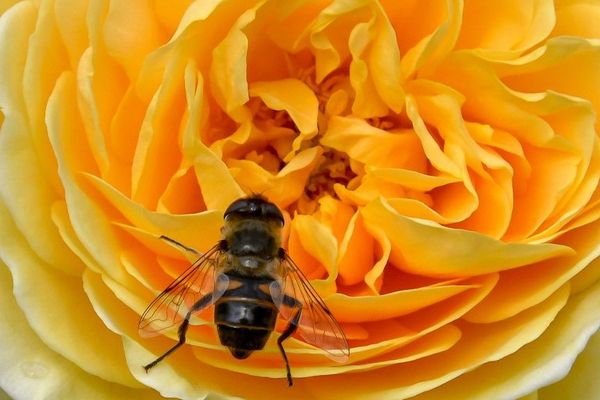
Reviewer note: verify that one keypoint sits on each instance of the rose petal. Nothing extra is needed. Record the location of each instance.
(284, 187)
(228, 78)
(57, 313)
(143, 34)
(507, 25)
(182, 195)
(375, 67)
(60, 217)
(373, 146)
(523, 287)
(268, 363)
(89, 109)
(473, 350)
(30, 369)
(587, 277)
(188, 378)
(39, 76)
(356, 252)
(434, 44)
(156, 154)
(384, 62)
(293, 96)
(328, 33)
(581, 382)
(556, 160)
(195, 11)
(390, 305)
(540, 363)
(217, 185)
(88, 220)
(367, 102)
(397, 335)
(455, 254)
(29, 203)
(577, 18)
(313, 247)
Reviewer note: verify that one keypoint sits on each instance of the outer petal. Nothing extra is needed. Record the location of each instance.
(582, 381)
(29, 369)
(544, 361)
(56, 307)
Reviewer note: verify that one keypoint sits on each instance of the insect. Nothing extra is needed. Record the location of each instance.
(251, 281)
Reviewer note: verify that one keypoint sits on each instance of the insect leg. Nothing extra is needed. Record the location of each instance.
(200, 304)
(289, 330)
(181, 246)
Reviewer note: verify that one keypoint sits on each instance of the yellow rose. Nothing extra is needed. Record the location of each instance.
(437, 164)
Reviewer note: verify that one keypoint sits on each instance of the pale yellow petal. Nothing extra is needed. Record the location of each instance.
(70, 21)
(143, 33)
(28, 195)
(88, 220)
(156, 155)
(542, 362)
(185, 377)
(31, 369)
(183, 227)
(581, 381)
(60, 313)
(89, 110)
(6, 4)
(473, 350)
(46, 59)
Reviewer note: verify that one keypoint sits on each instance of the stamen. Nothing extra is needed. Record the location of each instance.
(334, 166)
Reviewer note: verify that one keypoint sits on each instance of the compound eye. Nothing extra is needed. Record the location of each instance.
(270, 211)
(238, 206)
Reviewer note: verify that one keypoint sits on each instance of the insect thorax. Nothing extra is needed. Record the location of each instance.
(251, 244)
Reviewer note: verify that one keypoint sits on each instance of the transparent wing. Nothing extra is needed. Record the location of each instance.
(170, 307)
(317, 325)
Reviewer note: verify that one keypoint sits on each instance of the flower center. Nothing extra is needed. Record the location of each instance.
(334, 168)
(278, 132)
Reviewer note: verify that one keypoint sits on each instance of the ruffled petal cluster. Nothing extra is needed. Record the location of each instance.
(437, 165)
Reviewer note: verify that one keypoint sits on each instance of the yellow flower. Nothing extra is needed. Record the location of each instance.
(437, 164)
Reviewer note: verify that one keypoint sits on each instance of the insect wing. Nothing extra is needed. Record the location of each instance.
(169, 307)
(317, 326)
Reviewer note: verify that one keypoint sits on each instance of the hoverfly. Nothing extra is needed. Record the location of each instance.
(251, 281)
